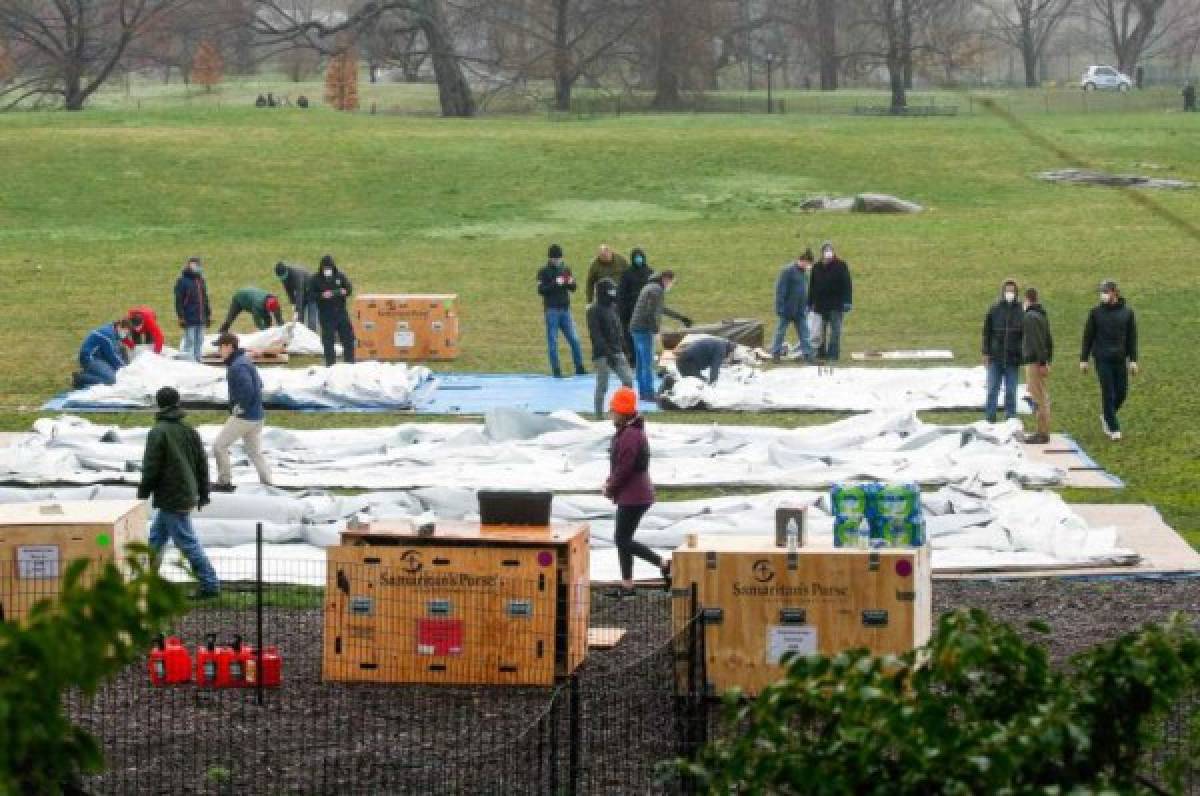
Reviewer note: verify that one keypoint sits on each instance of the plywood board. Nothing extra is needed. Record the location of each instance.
(923, 354)
(1139, 527)
(78, 512)
(604, 638)
(1082, 471)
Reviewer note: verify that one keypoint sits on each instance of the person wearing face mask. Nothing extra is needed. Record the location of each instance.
(192, 308)
(100, 355)
(1110, 339)
(555, 284)
(328, 290)
(830, 296)
(1037, 352)
(644, 326)
(1002, 350)
(604, 327)
(629, 487)
(607, 265)
(633, 279)
(144, 330)
(791, 305)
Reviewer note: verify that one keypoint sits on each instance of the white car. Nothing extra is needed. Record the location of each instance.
(1097, 77)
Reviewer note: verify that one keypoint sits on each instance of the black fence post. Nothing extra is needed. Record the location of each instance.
(573, 722)
(258, 610)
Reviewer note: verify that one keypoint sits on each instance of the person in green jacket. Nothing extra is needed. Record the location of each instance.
(175, 473)
(261, 305)
(607, 265)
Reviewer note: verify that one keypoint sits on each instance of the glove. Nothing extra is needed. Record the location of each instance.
(687, 322)
(327, 294)
(182, 323)
(847, 307)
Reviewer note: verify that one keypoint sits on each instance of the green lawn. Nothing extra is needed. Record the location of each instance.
(100, 209)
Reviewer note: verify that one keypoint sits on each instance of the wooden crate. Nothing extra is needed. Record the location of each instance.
(405, 327)
(39, 540)
(468, 605)
(759, 601)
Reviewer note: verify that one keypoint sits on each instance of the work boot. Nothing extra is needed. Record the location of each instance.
(557, 373)
(580, 371)
(219, 487)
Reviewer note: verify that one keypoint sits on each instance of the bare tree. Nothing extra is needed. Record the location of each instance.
(897, 30)
(70, 49)
(279, 23)
(826, 39)
(1135, 28)
(1027, 25)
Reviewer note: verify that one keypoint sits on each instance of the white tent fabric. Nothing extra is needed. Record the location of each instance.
(294, 338)
(852, 389)
(970, 526)
(561, 452)
(365, 384)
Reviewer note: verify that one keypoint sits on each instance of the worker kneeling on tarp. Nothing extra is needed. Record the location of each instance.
(100, 356)
(695, 354)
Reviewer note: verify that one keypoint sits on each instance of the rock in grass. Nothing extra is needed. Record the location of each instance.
(828, 203)
(883, 203)
(1086, 177)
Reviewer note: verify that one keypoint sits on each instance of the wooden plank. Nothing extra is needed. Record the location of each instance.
(392, 532)
(604, 638)
(906, 355)
(65, 512)
(824, 599)
(266, 357)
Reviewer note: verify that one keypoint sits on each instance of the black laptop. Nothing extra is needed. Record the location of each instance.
(514, 507)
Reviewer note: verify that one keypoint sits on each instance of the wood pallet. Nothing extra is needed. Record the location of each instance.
(269, 357)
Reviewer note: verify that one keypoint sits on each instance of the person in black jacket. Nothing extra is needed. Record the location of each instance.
(629, 290)
(604, 327)
(1037, 346)
(555, 285)
(830, 296)
(1110, 339)
(329, 290)
(1002, 351)
(295, 283)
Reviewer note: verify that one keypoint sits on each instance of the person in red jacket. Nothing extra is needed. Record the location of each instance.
(629, 486)
(145, 329)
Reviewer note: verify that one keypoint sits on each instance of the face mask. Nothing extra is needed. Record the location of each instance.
(638, 261)
(828, 256)
(1010, 297)
(612, 294)
(327, 274)
(1103, 298)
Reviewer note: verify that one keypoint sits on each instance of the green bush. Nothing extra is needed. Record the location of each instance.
(980, 710)
(97, 626)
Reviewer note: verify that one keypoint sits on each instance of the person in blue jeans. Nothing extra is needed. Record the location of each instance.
(192, 307)
(555, 285)
(1003, 335)
(100, 355)
(791, 305)
(830, 296)
(175, 474)
(644, 326)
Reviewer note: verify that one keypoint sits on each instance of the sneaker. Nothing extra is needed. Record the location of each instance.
(204, 594)
(1104, 425)
(557, 374)
(77, 380)
(1115, 436)
(621, 593)
(218, 487)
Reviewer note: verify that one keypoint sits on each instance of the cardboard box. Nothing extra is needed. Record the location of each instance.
(760, 601)
(39, 540)
(406, 327)
(468, 604)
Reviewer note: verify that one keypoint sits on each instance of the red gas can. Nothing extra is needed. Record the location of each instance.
(272, 666)
(212, 664)
(237, 663)
(169, 662)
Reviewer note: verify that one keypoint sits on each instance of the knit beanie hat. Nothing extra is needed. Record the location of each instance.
(167, 397)
(624, 401)
(555, 252)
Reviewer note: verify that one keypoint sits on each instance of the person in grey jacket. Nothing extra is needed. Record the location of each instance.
(604, 327)
(644, 326)
(791, 305)
(692, 358)
(295, 283)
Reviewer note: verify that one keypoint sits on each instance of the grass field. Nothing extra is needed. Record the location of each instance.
(99, 210)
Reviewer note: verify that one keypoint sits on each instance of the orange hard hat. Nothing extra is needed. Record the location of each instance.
(624, 401)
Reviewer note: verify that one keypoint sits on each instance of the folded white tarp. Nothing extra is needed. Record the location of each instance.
(364, 384)
(294, 338)
(849, 389)
(970, 527)
(561, 452)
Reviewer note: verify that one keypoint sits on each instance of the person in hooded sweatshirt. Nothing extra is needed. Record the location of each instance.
(791, 305)
(629, 288)
(604, 327)
(246, 414)
(262, 306)
(1003, 332)
(1110, 338)
(693, 357)
(328, 290)
(192, 307)
(100, 355)
(555, 284)
(295, 282)
(144, 329)
(830, 297)
(629, 487)
(1037, 353)
(644, 325)
(175, 474)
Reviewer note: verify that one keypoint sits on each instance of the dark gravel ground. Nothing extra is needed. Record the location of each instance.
(314, 737)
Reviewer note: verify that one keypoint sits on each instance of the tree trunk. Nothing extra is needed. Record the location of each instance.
(906, 42)
(73, 95)
(564, 80)
(895, 55)
(666, 66)
(454, 93)
(827, 43)
(1029, 56)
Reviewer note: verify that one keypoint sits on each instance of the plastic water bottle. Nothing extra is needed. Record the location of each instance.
(793, 535)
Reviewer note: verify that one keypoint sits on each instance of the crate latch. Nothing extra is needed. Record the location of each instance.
(873, 561)
(712, 616)
(710, 559)
(792, 616)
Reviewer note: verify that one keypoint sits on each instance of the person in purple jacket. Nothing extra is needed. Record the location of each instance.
(629, 486)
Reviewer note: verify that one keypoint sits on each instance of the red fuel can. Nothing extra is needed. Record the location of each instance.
(212, 664)
(272, 667)
(169, 662)
(237, 663)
